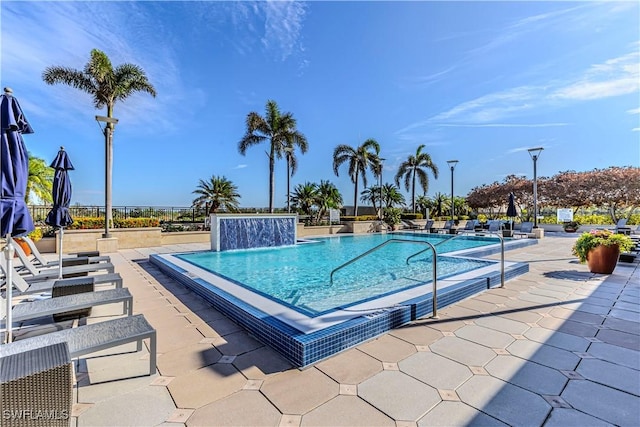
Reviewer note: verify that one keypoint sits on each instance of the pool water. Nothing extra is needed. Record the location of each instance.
(299, 276)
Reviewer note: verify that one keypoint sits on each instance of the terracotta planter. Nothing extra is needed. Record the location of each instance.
(603, 259)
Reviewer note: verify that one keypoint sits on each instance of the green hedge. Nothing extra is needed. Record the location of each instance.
(411, 216)
(91, 223)
(359, 218)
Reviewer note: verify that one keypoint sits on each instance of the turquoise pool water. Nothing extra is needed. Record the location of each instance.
(299, 276)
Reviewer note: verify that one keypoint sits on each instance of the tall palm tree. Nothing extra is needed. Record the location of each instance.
(106, 85)
(392, 196)
(364, 157)
(415, 168)
(217, 193)
(40, 181)
(371, 195)
(280, 130)
(440, 203)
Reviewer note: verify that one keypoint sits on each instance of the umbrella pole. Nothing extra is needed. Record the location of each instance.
(60, 253)
(8, 253)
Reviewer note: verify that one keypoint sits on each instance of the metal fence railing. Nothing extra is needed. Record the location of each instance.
(164, 214)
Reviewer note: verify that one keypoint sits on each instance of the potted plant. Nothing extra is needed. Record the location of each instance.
(571, 226)
(600, 249)
(392, 216)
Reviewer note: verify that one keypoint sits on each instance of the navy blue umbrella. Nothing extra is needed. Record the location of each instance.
(59, 215)
(511, 209)
(15, 219)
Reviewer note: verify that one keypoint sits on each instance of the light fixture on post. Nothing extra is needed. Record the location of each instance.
(535, 153)
(110, 124)
(452, 164)
(288, 153)
(381, 160)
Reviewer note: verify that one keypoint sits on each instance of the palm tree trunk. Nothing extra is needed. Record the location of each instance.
(413, 192)
(355, 197)
(271, 178)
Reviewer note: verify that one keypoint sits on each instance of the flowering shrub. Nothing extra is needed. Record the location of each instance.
(594, 238)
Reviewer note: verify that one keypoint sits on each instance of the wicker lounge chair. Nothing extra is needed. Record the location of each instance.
(40, 261)
(36, 387)
(80, 267)
(94, 337)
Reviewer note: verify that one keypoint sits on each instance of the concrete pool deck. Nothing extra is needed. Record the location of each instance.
(557, 346)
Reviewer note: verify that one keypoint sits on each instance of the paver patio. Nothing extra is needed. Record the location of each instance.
(556, 346)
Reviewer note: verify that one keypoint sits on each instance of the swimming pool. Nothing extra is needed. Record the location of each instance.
(284, 295)
(299, 276)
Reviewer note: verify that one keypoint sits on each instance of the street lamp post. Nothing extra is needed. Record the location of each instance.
(381, 194)
(535, 153)
(452, 164)
(108, 157)
(288, 151)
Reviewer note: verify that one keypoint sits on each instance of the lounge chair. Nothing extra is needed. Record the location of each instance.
(447, 228)
(37, 381)
(621, 227)
(40, 261)
(469, 227)
(29, 310)
(411, 225)
(526, 230)
(24, 285)
(429, 226)
(68, 267)
(94, 337)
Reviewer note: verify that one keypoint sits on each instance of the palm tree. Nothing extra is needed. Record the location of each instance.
(360, 159)
(106, 85)
(304, 197)
(40, 181)
(440, 202)
(329, 197)
(371, 195)
(280, 130)
(216, 193)
(414, 168)
(423, 203)
(392, 196)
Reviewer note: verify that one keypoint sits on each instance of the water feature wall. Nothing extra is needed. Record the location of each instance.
(229, 231)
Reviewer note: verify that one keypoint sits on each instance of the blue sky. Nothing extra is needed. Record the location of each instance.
(480, 82)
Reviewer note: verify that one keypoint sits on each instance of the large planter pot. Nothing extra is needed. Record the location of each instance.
(603, 259)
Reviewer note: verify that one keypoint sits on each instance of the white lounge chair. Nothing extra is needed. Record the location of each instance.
(41, 261)
(52, 272)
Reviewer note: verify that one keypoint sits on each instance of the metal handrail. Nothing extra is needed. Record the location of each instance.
(435, 265)
(498, 235)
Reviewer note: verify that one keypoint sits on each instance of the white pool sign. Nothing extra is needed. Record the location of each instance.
(565, 215)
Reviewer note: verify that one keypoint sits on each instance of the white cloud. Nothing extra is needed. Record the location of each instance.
(283, 26)
(635, 130)
(240, 167)
(634, 111)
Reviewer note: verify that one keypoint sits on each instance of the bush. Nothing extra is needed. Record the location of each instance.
(411, 216)
(359, 218)
(92, 223)
(594, 238)
(36, 234)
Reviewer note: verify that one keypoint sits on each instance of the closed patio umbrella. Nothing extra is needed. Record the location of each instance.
(511, 208)
(59, 215)
(15, 219)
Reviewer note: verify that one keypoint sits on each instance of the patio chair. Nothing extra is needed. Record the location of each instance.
(621, 227)
(63, 305)
(77, 266)
(40, 261)
(34, 285)
(411, 225)
(429, 225)
(37, 381)
(469, 227)
(526, 230)
(447, 228)
(93, 337)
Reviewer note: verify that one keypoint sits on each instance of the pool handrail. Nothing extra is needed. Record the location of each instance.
(482, 233)
(395, 240)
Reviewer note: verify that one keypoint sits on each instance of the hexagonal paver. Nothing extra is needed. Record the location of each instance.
(568, 327)
(388, 348)
(484, 336)
(448, 414)
(478, 305)
(563, 417)
(261, 363)
(237, 343)
(522, 316)
(618, 355)
(531, 376)
(190, 358)
(244, 408)
(346, 411)
(611, 405)
(463, 351)
(398, 395)
(620, 377)
(557, 339)
(206, 385)
(435, 370)
(502, 324)
(508, 403)
(351, 367)
(298, 392)
(445, 324)
(417, 334)
(619, 338)
(552, 357)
